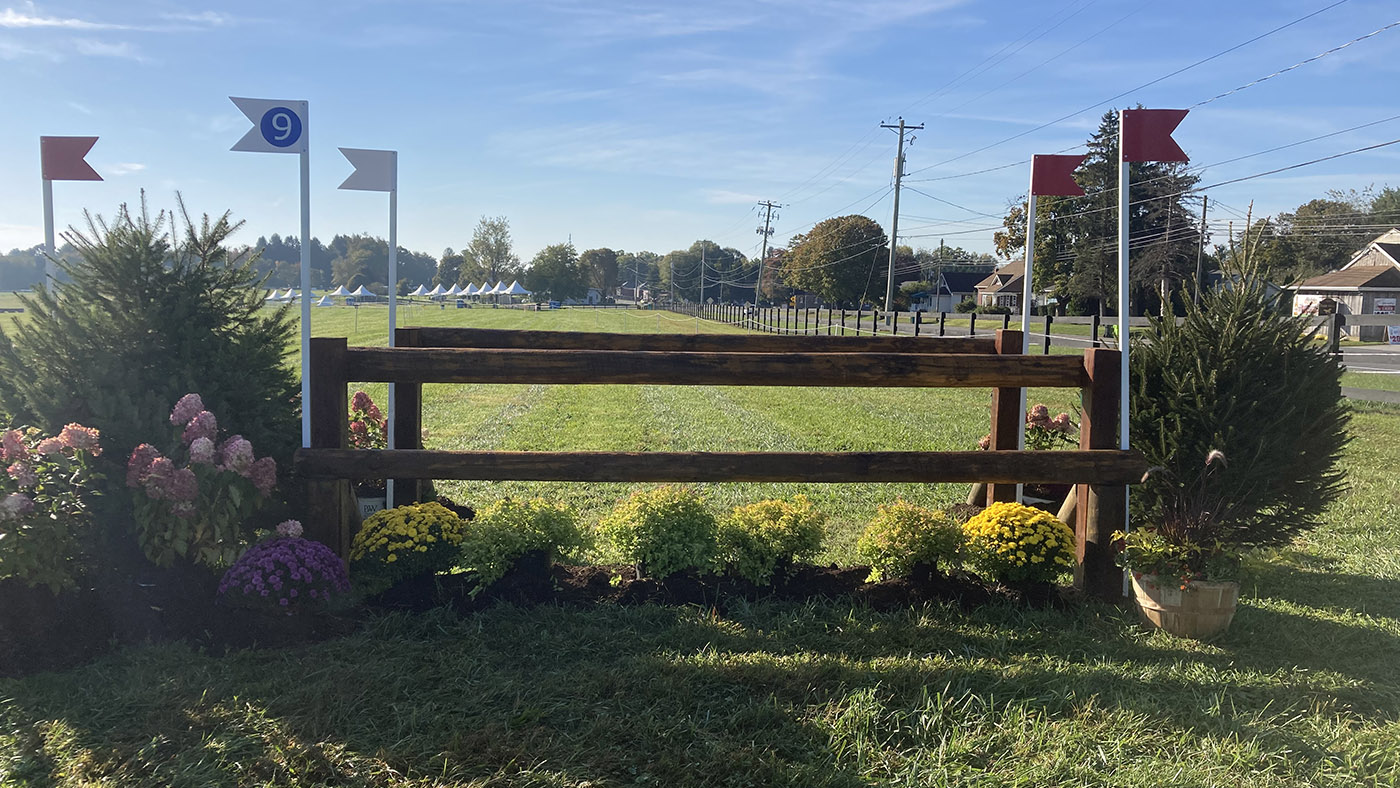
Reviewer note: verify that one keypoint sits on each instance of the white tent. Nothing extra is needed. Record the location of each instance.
(515, 289)
(272, 296)
(361, 292)
(419, 291)
(436, 292)
(325, 301)
(485, 289)
(340, 292)
(289, 294)
(471, 289)
(454, 290)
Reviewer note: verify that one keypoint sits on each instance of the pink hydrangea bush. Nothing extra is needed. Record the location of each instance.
(44, 496)
(195, 500)
(285, 574)
(1044, 431)
(368, 427)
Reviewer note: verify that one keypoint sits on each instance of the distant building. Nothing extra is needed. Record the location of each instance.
(950, 289)
(1369, 284)
(1003, 286)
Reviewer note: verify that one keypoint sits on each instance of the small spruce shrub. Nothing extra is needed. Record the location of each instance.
(148, 313)
(1018, 544)
(285, 574)
(503, 532)
(663, 531)
(754, 540)
(405, 542)
(1242, 377)
(903, 535)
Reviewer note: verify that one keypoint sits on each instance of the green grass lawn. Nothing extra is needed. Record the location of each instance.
(1304, 690)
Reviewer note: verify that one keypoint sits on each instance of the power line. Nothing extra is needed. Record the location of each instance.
(1148, 84)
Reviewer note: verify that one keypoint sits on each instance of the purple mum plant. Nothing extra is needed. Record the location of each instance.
(285, 574)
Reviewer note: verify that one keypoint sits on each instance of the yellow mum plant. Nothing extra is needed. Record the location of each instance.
(396, 544)
(1018, 543)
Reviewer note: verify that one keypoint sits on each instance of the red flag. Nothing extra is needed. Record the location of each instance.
(1147, 135)
(62, 158)
(1054, 175)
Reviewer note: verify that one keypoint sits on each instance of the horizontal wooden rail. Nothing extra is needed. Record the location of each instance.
(441, 337)
(1100, 466)
(436, 365)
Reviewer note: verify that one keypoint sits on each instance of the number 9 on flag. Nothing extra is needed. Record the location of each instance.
(278, 126)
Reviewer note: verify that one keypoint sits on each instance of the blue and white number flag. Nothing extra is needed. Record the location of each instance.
(278, 126)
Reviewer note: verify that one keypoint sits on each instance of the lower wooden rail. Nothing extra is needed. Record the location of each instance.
(1101, 466)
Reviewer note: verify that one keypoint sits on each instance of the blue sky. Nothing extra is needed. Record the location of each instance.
(641, 125)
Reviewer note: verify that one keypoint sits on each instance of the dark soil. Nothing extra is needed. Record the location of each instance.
(132, 601)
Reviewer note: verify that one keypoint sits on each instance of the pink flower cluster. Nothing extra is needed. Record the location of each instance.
(1042, 431)
(15, 506)
(27, 453)
(161, 480)
(368, 427)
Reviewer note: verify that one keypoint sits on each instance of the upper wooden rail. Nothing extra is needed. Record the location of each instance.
(438, 365)
(441, 337)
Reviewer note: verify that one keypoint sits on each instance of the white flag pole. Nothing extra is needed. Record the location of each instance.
(1122, 289)
(393, 318)
(306, 294)
(1026, 310)
(49, 248)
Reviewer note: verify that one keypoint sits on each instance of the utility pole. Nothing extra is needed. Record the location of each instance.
(766, 231)
(1200, 249)
(894, 223)
(702, 273)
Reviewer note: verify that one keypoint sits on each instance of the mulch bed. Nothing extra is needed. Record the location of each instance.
(132, 602)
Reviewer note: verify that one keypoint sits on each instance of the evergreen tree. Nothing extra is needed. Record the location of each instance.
(144, 321)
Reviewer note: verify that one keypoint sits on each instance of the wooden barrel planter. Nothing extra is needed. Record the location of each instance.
(1201, 610)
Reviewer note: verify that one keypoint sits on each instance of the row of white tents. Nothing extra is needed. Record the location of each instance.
(498, 289)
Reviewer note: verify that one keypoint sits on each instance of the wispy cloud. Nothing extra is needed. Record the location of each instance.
(31, 18)
(123, 168)
(83, 108)
(728, 197)
(209, 18)
(89, 47)
(13, 50)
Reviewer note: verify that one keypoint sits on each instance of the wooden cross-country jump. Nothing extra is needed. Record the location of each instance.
(464, 355)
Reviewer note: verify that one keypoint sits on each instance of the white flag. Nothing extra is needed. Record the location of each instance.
(278, 126)
(375, 170)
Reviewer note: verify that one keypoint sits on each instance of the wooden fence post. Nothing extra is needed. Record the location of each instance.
(972, 324)
(843, 321)
(408, 420)
(918, 321)
(330, 504)
(942, 323)
(1102, 508)
(1006, 415)
(1095, 332)
(1047, 332)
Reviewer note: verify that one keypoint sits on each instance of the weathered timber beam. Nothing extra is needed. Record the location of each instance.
(1100, 466)
(439, 365)
(447, 337)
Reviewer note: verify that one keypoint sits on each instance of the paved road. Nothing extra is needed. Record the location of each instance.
(1379, 359)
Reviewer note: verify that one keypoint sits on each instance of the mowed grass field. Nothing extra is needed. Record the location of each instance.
(1304, 690)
